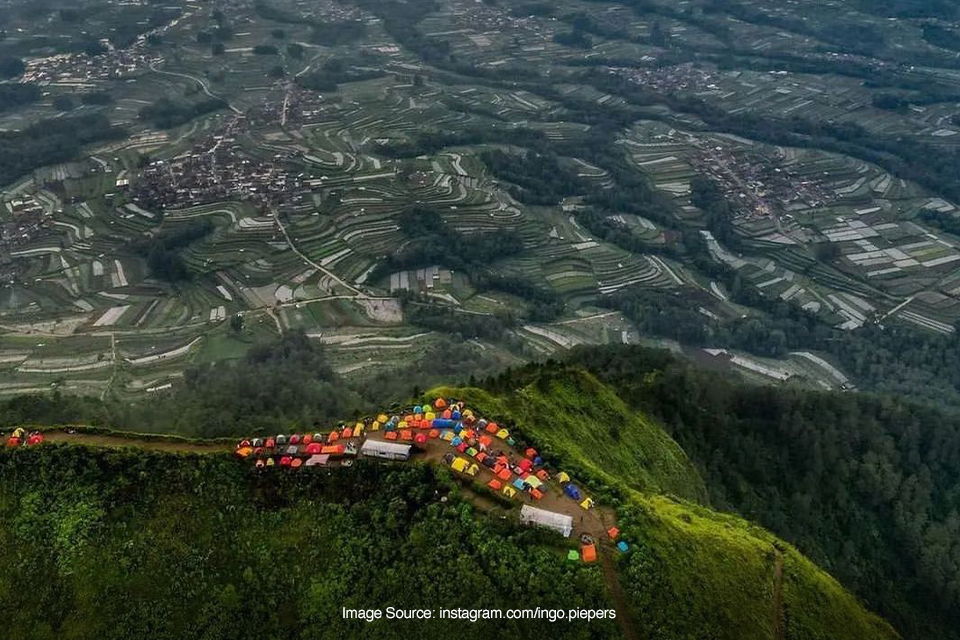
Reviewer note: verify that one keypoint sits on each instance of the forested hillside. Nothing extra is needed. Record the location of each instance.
(866, 486)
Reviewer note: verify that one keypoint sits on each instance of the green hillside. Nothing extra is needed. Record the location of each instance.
(579, 421)
(133, 543)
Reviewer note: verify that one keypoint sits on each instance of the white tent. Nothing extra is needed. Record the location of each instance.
(385, 450)
(550, 519)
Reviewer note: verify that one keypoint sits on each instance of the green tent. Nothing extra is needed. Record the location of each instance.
(572, 555)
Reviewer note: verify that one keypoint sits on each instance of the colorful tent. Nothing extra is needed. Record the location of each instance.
(13, 441)
(296, 463)
(35, 439)
(587, 503)
(518, 485)
(421, 438)
(391, 435)
(317, 461)
(504, 474)
(495, 484)
(613, 532)
(440, 403)
(530, 453)
(503, 434)
(622, 546)
(333, 449)
(271, 462)
(573, 555)
(589, 553)
(447, 435)
(509, 491)
(295, 439)
(242, 452)
(533, 481)
(406, 434)
(347, 433)
(286, 461)
(333, 437)
(573, 491)
(460, 464)
(313, 448)
(536, 493)
(563, 477)
(473, 470)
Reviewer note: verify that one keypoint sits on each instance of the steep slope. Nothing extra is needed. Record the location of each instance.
(572, 416)
(693, 572)
(120, 544)
(135, 542)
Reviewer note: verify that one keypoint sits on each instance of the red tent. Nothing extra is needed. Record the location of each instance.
(270, 443)
(348, 433)
(294, 439)
(307, 439)
(530, 453)
(462, 447)
(13, 442)
(421, 438)
(286, 461)
(314, 448)
(36, 438)
(525, 464)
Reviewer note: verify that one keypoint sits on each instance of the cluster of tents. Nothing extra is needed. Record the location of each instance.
(297, 450)
(476, 444)
(20, 438)
(588, 547)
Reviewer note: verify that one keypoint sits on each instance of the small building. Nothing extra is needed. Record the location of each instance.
(559, 522)
(385, 450)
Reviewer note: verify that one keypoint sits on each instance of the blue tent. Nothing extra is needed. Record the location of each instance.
(520, 485)
(538, 461)
(442, 423)
(622, 546)
(418, 409)
(455, 415)
(456, 441)
(572, 491)
(458, 427)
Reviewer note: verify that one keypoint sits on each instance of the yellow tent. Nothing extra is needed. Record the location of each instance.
(382, 418)
(503, 434)
(533, 481)
(358, 430)
(466, 413)
(509, 491)
(402, 424)
(459, 464)
(587, 503)
(563, 477)
(375, 426)
(447, 435)
(430, 415)
(473, 470)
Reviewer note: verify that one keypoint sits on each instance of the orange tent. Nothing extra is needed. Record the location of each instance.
(504, 474)
(588, 552)
(536, 493)
(440, 403)
(406, 434)
(390, 435)
(613, 532)
(543, 475)
(491, 428)
(333, 437)
(434, 434)
(446, 414)
(348, 433)
(495, 485)
(296, 463)
(307, 439)
(333, 449)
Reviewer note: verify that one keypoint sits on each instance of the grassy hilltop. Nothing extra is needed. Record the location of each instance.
(122, 543)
